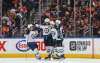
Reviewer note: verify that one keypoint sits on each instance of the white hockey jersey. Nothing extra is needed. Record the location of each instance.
(60, 33)
(32, 35)
(46, 29)
(54, 33)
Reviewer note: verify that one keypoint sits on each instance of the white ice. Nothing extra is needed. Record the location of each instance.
(31, 60)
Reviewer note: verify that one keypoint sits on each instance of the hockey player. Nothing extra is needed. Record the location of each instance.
(54, 34)
(33, 33)
(60, 32)
(46, 34)
(58, 50)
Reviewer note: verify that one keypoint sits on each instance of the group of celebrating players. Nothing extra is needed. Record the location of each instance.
(52, 35)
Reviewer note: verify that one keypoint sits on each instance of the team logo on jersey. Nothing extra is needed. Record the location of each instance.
(33, 36)
(22, 46)
(46, 30)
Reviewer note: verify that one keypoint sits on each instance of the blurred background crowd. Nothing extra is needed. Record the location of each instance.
(79, 18)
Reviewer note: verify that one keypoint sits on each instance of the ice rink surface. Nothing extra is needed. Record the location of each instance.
(30, 60)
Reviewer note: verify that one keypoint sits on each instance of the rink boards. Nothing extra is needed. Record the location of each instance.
(73, 48)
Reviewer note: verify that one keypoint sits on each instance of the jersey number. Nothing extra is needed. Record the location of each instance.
(46, 30)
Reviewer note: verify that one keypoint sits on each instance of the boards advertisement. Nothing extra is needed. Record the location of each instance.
(73, 48)
(78, 48)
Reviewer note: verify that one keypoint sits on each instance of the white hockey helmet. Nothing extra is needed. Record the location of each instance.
(47, 20)
(58, 22)
(29, 25)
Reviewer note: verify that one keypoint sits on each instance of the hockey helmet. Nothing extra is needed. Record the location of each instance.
(29, 25)
(58, 22)
(47, 20)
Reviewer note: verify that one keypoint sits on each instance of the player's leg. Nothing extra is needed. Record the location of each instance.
(58, 50)
(49, 45)
(46, 44)
(54, 41)
(54, 54)
(33, 46)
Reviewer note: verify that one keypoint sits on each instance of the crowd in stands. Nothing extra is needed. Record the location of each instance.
(79, 18)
